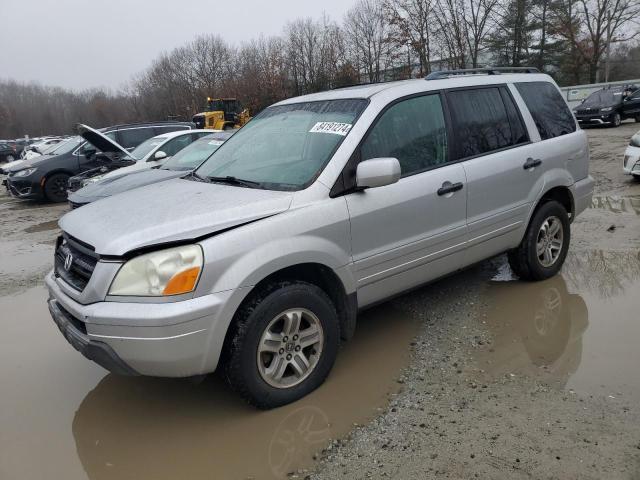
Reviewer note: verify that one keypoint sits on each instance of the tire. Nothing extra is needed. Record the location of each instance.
(617, 120)
(252, 372)
(637, 118)
(55, 188)
(524, 259)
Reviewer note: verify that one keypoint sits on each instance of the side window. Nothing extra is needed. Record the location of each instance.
(132, 137)
(174, 145)
(519, 132)
(481, 121)
(413, 131)
(548, 109)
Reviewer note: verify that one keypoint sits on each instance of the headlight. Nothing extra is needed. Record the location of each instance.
(166, 272)
(24, 173)
(606, 109)
(88, 181)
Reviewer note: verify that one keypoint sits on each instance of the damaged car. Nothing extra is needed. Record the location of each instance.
(149, 154)
(258, 263)
(179, 165)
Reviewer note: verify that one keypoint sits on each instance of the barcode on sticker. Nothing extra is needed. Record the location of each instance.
(331, 127)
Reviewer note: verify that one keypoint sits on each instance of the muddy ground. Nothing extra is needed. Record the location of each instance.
(477, 375)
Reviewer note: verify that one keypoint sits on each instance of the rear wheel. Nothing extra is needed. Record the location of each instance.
(283, 344)
(544, 247)
(55, 187)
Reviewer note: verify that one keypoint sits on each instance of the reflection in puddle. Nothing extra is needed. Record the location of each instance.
(577, 330)
(617, 204)
(143, 428)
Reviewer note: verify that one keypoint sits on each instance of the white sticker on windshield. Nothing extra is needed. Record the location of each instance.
(331, 127)
(216, 142)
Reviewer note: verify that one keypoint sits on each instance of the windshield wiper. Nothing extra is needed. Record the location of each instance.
(197, 177)
(234, 181)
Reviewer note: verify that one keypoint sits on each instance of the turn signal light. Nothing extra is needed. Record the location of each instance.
(183, 282)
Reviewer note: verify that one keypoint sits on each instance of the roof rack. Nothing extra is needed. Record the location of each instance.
(480, 71)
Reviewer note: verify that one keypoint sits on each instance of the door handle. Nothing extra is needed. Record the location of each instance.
(531, 163)
(448, 187)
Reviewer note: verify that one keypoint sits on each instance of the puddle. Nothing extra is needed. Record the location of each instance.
(578, 330)
(18, 257)
(43, 227)
(80, 422)
(617, 204)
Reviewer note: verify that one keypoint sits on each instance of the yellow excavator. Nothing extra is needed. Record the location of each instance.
(222, 114)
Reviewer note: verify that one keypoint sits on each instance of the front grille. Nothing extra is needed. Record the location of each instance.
(588, 111)
(76, 271)
(75, 205)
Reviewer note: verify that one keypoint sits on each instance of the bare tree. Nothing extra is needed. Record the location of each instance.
(592, 25)
(367, 32)
(412, 25)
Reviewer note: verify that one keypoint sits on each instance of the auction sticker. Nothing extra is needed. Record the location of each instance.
(331, 127)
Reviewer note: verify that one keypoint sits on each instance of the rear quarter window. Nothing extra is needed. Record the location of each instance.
(548, 109)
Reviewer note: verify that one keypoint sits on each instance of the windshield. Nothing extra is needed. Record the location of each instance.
(603, 98)
(285, 147)
(190, 157)
(146, 147)
(66, 146)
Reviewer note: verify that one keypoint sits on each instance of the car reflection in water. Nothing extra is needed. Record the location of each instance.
(537, 329)
(145, 428)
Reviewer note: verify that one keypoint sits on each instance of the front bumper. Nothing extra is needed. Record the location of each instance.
(596, 119)
(23, 189)
(173, 339)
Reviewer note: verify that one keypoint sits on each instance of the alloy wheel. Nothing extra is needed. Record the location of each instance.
(549, 242)
(290, 348)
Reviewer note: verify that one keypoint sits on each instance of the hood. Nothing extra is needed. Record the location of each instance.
(112, 185)
(168, 211)
(100, 141)
(24, 163)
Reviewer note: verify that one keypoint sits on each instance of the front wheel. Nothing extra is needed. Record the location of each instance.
(617, 120)
(282, 345)
(55, 187)
(544, 247)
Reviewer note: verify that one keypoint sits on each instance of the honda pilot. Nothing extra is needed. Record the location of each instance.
(259, 261)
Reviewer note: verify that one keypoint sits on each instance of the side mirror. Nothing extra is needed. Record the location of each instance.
(377, 172)
(159, 155)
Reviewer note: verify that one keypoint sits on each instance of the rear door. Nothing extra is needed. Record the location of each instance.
(407, 233)
(500, 165)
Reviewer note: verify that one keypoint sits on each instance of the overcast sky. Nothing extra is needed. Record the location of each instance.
(95, 43)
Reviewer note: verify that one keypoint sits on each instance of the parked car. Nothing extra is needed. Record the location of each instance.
(42, 145)
(47, 177)
(149, 154)
(320, 206)
(609, 106)
(631, 160)
(7, 152)
(179, 165)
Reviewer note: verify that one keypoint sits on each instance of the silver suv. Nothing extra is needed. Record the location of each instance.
(259, 261)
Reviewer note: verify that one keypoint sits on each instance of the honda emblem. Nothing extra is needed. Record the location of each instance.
(68, 261)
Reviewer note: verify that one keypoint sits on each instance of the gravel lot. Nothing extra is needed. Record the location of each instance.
(455, 420)
(477, 375)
